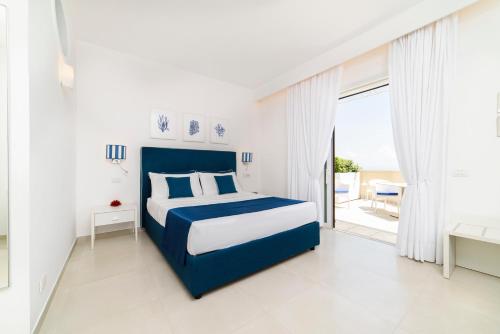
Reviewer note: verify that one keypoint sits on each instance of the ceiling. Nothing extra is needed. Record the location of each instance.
(245, 42)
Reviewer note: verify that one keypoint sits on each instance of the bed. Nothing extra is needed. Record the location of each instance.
(220, 250)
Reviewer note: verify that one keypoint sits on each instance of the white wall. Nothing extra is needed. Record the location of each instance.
(14, 300)
(4, 179)
(52, 158)
(365, 69)
(473, 145)
(273, 148)
(115, 95)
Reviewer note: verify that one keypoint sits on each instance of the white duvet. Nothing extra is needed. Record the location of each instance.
(218, 233)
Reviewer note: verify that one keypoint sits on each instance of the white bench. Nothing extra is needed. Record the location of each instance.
(468, 231)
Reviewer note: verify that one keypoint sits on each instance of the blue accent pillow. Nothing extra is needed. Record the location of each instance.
(225, 184)
(179, 187)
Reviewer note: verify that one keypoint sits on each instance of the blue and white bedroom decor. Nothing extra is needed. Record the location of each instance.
(163, 124)
(209, 270)
(219, 131)
(246, 157)
(194, 128)
(116, 153)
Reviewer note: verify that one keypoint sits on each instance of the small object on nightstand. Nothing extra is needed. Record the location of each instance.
(109, 215)
(115, 203)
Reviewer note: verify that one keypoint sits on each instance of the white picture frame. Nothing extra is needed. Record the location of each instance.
(219, 131)
(194, 128)
(163, 124)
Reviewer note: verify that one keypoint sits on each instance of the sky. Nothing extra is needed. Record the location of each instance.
(363, 131)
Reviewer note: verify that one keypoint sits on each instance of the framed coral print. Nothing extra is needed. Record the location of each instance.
(219, 131)
(163, 124)
(194, 128)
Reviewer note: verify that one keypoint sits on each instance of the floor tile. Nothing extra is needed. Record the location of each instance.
(274, 286)
(104, 298)
(385, 236)
(361, 230)
(321, 310)
(384, 297)
(360, 212)
(348, 284)
(221, 311)
(145, 318)
(264, 324)
(343, 226)
(434, 314)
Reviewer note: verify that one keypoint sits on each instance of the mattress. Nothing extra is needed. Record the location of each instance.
(219, 233)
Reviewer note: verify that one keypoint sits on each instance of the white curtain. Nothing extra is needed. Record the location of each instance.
(311, 108)
(421, 68)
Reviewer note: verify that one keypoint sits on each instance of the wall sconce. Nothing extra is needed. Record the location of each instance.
(117, 153)
(498, 115)
(66, 74)
(246, 159)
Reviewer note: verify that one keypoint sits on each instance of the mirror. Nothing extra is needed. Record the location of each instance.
(4, 161)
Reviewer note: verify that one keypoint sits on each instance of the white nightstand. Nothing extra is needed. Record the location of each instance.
(107, 215)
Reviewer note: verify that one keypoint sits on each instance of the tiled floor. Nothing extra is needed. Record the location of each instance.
(348, 285)
(361, 213)
(360, 218)
(367, 232)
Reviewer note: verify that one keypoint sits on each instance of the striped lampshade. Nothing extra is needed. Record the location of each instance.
(116, 152)
(246, 157)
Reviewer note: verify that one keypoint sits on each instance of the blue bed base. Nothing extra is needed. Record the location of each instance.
(207, 271)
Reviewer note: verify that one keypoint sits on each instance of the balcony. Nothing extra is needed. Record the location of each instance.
(358, 209)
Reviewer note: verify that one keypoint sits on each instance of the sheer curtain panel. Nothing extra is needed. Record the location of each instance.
(311, 108)
(421, 69)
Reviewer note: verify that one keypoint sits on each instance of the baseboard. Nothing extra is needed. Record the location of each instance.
(42, 315)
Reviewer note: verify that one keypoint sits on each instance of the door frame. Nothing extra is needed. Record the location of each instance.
(330, 167)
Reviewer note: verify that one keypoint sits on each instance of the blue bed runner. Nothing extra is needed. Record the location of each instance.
(179, 220)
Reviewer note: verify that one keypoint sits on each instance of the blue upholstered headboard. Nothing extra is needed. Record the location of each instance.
(175, 160)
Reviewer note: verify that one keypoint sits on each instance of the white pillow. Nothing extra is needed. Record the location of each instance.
(159, 186)
(209, 185)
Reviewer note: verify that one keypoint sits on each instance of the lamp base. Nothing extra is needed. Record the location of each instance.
(118, 162)
(246, 173)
